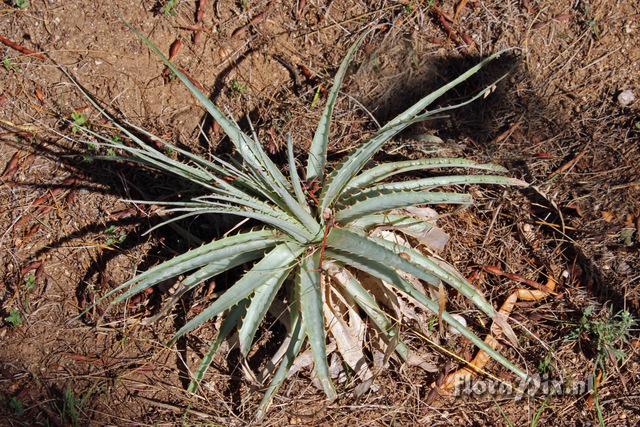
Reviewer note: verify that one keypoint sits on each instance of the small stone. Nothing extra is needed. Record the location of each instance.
(460, 319)
(626, 98)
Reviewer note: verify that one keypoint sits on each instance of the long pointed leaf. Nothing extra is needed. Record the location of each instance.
(350, 242)
(456, 281)
(311, 306)
(230, 320)
(260, 302)
(295, 178)
(429, 184)
(191, 259)
(386, 170)
(388, 275)
(318, 150)
(341, 176)
(274, 264)
(398, 199)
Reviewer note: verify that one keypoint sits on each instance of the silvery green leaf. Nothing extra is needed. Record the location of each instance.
(311, 303)
(397, 199)
(274, 264)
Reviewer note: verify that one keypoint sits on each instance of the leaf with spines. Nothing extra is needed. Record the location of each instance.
(398, 199)
(383, 272)
(354, 163)
(190, 260)
(387, 170)
(318, 150)
(428, 184)
(274, 264)
(309, 283)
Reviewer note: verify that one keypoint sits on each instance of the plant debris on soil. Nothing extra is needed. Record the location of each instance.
(566, 119)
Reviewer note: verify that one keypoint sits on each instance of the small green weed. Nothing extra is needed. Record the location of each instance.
(21, 4)
(237, 87)
(16, 406)
(14, 318)
(544, 365)
(9, 65)
(30, 281)
(70, 408)
(169, 8)
(113, 237)
(78, 120)
(607, 335)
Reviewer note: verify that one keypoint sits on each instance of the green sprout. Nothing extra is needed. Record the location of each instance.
(21, 4)
(237, 87)
(14, 318)
(170, 7)
(8, 64)
(78, 120)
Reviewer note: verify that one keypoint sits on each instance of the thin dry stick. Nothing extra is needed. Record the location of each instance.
(22, 49)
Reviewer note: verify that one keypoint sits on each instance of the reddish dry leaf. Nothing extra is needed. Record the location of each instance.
(71, 197)
(216, 129)
(33, 265)
(124, 213)
(493, 269)
(239, 32)
(564, 18)
(12, 166)
(202, 7)
(565, 167)
(33, 230)
(544, 155)
(200, 12)
(39, 95)
(39, 272)
(306, 72)
(300, 8)
(192, 80)
(174, 49)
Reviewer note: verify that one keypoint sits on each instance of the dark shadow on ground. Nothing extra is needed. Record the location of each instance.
(482, 125)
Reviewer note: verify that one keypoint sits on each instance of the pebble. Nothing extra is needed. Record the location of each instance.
(626, 97)
(460, 319)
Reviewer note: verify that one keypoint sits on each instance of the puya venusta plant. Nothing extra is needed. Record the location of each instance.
(311, 261)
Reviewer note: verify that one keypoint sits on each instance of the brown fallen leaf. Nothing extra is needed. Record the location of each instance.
(12, 166)
(607, 216)
(239, 32)
(39, 94)
(174, 49)
(493, 269)
(33, 265)
(200, 12)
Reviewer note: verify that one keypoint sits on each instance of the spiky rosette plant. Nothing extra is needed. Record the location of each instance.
(311, 248)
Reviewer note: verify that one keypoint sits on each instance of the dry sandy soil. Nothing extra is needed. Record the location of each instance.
(556, 121)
